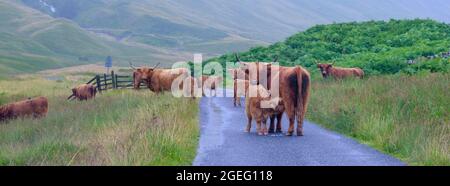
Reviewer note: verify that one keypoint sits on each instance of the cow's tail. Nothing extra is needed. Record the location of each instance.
(304, 85)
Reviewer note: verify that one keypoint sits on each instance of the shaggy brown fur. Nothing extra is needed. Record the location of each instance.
(294, 88)
(84, 92)
(255, 109)
(139, 75)
(339, 73)
(36, 107)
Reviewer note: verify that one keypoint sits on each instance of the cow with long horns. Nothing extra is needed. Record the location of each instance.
(291, 83)
(141, 74)
(327, 70)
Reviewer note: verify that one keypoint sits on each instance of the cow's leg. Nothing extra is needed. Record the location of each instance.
(258, 126)
(272, 124)
(249, 123)
(264, 126)
(290, 111)
(279, 117)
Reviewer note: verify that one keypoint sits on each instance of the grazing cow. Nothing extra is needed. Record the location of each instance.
(256, 110)
(339, 73)
(294, 88)
(159, 80)
(36, 107)
(84, 92)
(211, 83)
(141, 74)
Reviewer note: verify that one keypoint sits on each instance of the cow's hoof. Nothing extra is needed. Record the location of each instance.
(289, 133)
(266, 133)
(299, 133)
(279, 131)
(247, 130)
(260, 133)
(271, 131)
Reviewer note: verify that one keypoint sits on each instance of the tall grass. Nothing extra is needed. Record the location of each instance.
(406, 116)
(120, 127)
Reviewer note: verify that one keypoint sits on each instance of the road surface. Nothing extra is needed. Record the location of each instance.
(223, 142)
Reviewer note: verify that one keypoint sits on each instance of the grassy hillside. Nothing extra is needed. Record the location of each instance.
(117, 128)
(32, 41)
(405, 116)
(378, 47)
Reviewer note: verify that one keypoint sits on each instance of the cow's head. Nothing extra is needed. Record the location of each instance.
(252, 70)
(142, 73)
(325, 68)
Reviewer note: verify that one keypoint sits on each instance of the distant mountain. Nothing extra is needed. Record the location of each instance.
(178, 23)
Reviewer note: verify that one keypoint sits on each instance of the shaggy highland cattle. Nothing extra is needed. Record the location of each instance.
(159, 80)
(211, 83)
(36, 108)
(84, 92)
(293, 86)
(339, 73)
(260, 106)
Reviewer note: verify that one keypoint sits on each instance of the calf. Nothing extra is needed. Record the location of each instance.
(84, 92)
(36, 107)
(259, 105)
(339, 73)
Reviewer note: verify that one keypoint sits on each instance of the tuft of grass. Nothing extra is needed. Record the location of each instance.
(120, 127)
(405, 116)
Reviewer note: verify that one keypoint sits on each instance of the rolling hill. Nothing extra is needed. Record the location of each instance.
(378, 47)
(31, 41)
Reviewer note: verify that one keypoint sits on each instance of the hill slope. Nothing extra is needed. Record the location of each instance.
(32, 41)
(375, 46)
(177, 23)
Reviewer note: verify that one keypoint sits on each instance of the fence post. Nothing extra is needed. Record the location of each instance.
(113, 79)
(97, 78)
(106, 83)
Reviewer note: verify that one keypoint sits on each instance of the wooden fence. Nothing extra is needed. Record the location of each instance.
(104, 82)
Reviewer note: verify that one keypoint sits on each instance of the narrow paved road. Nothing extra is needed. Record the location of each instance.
(224, 142)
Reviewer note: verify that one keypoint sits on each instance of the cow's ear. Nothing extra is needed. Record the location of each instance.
(74, 90)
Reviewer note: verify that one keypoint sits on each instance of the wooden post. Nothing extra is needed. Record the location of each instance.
(117, 84)
(113, 79)
(106, 83)
(97, 79)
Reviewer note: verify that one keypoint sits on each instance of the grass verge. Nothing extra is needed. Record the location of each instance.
(405, 116)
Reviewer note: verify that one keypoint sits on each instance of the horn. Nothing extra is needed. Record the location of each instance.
(334, 61)
(276, 59)
(156, 66)
(131, 65)
(237, 57)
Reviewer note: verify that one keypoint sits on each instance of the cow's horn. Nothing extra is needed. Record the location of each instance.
(131, 65)
(276, 59)
(156, 66)
(237, 57)
(334, 61)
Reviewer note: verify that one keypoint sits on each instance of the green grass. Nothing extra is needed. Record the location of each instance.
(405, 116)
(122, 127)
